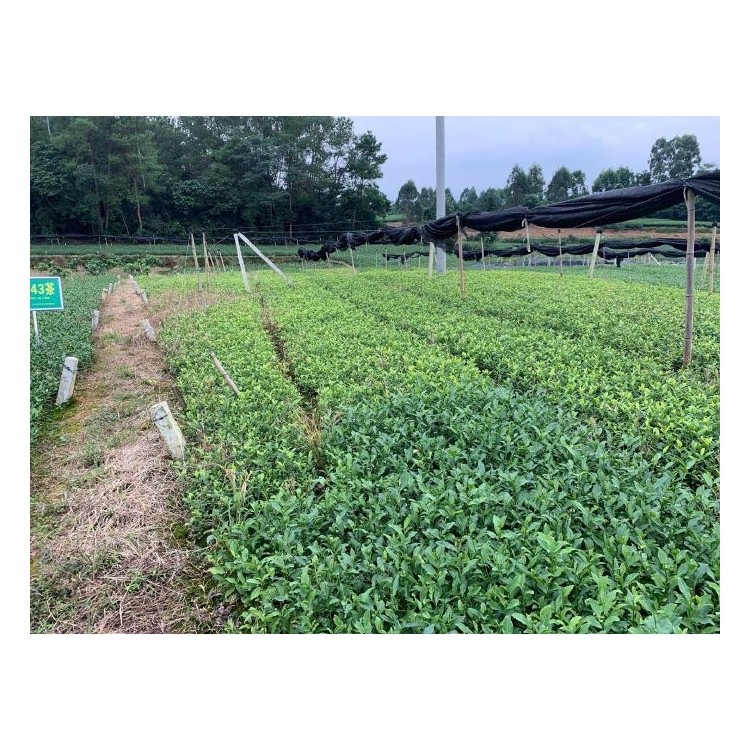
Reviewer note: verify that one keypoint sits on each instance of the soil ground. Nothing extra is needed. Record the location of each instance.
(109, 550)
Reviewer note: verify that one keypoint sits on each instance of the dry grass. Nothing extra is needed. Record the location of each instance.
(109, 551)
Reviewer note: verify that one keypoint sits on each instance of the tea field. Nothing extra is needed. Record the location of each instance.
(62, 333)
(529, 460)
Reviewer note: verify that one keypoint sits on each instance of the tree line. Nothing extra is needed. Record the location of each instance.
(166, 176)
(674, 158)
(169, 175)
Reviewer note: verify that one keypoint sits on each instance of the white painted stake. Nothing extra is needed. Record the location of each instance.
(67, 380)
(431, 262)
(263, 257)
(149, 330)
(242, 263)
(162, 417)
(595, 252)
(36, 328)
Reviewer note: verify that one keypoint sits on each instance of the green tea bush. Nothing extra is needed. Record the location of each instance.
(378, 475)
(64, 333)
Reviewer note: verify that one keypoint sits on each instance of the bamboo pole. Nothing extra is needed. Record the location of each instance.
(711, 257)
(595, 252)
(212, 263)
(206, 265)
(687, 350)
(461, 278)
(351, 255)
(704, 268)
(559, 249)
(224, 374)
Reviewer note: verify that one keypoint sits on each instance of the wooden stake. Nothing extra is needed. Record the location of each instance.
(687, 351)
(224, 374)
(206, 264)
(431, 260)
(528, 240)
(351, 255)
(711, 256)
(559, 249)
(595, 252)
(461, 280)
(36, 328)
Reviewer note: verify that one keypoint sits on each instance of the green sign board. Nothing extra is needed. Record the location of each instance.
(46, 293)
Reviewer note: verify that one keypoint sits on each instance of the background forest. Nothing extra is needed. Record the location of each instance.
(166, 176)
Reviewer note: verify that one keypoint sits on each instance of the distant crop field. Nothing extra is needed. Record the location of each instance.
(531, 459)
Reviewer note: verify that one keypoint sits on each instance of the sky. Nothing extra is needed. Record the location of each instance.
(481, 151)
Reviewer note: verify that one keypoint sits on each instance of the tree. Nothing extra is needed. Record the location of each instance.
(468, 200)
(535, 179)
(406, 202)
(450, 203)
(517, 187)
(491, 199)
(427, 204)
(138, 174)
(566, 184)
(614, 179)
(524, 189)
(677, 158)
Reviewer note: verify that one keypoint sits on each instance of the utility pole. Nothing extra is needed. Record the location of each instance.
(440, 260)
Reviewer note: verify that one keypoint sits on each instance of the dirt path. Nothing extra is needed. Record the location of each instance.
(108, 544)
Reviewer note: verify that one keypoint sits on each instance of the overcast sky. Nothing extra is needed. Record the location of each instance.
(481, 151)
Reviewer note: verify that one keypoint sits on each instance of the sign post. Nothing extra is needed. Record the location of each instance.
(46, 294)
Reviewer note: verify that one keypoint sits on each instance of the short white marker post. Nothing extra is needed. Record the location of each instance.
(36, 328)
(149, 330)
(67, 380)
(162, 417)
(94, 320)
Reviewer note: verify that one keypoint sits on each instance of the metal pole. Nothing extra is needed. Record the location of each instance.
(36, 327)
(687, 351)
(440, 256)
(711, 256)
